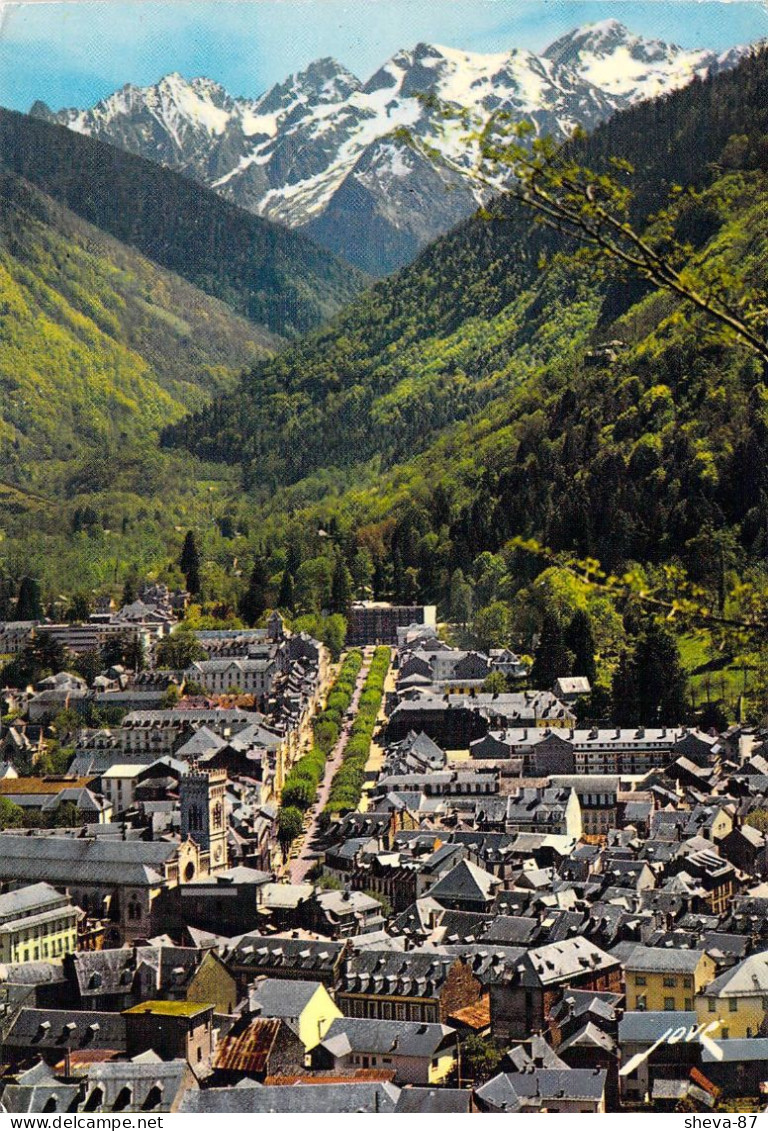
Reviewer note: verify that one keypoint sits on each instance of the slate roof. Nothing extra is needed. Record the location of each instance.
(333, 1099)
(434, 1101)
(459, 926)
(512, 1090)
(203, 741)
(400, 1038)
(24, 900)
(663, 960)
(113, 971)
(720, 944)
(31, 973)
(275, 997)
(646, 1026)
(140, 1076)
(43, 1097)
(557, 962)
(737, 1050)
(589, 1036)
(466, 881)
(747, 979)
(535, 1053)
(42, 1029)
(290, 954)
(669, 1089)
(580, 1003)
(394, 974)
(72, 860)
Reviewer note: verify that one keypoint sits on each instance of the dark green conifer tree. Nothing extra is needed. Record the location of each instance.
(661, 681)
(129, 591)
(341, 587)
(625, 704)
(254, 601)
(580, 641)
(29, 605)
(189, 563)
(285, 596)
(552, 660)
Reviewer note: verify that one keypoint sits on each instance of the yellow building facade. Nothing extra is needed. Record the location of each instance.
(660, 979)
(738, 999)
(37, 923)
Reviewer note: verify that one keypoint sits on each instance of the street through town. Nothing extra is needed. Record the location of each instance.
(303, 863)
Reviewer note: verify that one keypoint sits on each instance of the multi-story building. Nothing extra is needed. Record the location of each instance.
(396, 986)
(523, 992)
(251, 677)
(377, 622)
(598, 798)
(596, 750)
(663, 978)
(36, 923)
(130, 883)
(738, 999)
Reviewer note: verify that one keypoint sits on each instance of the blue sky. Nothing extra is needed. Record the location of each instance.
(77, 52)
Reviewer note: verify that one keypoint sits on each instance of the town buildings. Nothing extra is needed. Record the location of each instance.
(512, 890)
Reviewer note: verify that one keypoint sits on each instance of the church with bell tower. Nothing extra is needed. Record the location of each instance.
(203, 814)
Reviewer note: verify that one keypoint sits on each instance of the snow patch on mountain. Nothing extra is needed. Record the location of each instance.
(322, 137)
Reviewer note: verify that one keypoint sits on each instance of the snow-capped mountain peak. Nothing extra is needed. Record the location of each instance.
(323, 81)
(625, 66)
(369, 168)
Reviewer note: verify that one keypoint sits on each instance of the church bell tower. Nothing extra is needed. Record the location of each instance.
(203, 813)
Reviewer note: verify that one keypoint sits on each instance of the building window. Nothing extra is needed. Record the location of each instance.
(733, 1004)
(669, 1003)
(688, 983)
(711, 1004)
(670, 982)
(640, 980)
(689, 1003)
(641, 1003)
(725, 1033)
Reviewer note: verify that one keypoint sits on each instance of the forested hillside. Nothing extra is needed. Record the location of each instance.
(99, 347)
(443, 338)
(272, 276)
(501, 388)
